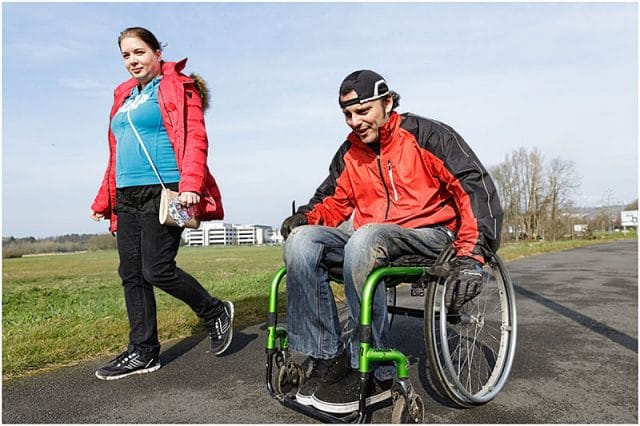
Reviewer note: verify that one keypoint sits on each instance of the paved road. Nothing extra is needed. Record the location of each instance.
(576, 362)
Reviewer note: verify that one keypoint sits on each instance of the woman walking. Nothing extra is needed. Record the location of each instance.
(162, 109)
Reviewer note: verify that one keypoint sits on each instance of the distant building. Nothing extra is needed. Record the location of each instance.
(217, 233)
(253, 234)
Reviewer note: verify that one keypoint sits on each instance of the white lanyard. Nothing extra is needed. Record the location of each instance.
(144, 148)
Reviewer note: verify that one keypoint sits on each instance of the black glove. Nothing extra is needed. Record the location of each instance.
(291, 222)
(464, 281)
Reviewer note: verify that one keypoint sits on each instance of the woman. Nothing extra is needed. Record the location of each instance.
(165, 108)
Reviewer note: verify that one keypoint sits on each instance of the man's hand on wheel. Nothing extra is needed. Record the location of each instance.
(291, 222)
(464, 281)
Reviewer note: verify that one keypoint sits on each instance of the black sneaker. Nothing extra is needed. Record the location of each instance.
(327, 371)
(127, 364)
(221, 330)
(343, 396)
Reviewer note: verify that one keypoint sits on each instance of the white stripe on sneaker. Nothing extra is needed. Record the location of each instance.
(349, 407)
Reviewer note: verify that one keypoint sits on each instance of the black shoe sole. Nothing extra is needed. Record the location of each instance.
(130, 373)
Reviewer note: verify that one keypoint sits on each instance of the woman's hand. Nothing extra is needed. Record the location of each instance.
(189, 198)
(96, 216)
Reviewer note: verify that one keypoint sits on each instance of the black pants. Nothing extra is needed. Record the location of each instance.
(147, 253)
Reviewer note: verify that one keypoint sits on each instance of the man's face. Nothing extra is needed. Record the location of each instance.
(366, 119)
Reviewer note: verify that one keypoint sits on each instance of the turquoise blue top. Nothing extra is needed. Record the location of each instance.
(132, 165)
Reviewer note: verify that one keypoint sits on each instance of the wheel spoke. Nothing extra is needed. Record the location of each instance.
(471, 355)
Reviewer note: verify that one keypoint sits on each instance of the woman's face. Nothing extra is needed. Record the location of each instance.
(140, 60)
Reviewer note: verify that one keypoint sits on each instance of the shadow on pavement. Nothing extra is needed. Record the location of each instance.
(596, 326)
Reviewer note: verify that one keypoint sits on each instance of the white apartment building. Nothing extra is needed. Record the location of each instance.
(224, 234)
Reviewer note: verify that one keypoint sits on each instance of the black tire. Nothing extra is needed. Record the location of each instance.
(471, 354)
(290, 377)
(403, 414)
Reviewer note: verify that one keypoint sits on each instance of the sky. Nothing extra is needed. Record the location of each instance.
(559, 77)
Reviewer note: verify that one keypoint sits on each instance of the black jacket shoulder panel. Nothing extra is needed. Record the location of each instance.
(430, 134)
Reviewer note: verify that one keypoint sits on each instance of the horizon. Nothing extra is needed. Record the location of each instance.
(617, 207)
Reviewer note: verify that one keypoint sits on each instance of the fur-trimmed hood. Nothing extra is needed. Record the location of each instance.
(203, 90)
(199, 83)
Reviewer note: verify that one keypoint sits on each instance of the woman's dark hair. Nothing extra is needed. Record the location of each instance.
(143, 34)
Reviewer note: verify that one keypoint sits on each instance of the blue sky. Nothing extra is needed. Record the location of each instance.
(562, 77)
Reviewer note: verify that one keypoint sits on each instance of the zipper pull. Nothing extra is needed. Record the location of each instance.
(393, 185)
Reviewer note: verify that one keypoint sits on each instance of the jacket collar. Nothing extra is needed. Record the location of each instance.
(173, 67)
(389, 128)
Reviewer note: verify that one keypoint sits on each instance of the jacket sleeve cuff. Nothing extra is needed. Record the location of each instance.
(463, 251)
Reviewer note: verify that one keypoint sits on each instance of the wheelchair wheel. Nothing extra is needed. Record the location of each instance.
(290, 378)
(405, 413)
(471, 352)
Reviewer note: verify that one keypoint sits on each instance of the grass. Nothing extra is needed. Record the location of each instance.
(60, 310)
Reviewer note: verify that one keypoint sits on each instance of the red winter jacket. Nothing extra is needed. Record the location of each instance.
(424, 175)
(183, 117)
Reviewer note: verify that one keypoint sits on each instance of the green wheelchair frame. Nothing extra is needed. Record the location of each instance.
(470, 352)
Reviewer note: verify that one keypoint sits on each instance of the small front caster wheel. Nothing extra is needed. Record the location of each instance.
(290, 378)
(413, 412)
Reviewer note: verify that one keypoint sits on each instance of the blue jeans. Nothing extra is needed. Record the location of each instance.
(312, 316)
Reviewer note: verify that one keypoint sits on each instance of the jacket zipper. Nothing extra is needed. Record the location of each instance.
(161, 99)
(164, 106)
(386, 189)
(393, 185)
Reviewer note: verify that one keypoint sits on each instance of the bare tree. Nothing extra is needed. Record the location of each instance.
(509, 191)
(562, 179)
(518, 180)
(530, 172)
(534, 198)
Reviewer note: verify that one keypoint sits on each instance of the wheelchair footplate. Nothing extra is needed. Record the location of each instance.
(283, 383)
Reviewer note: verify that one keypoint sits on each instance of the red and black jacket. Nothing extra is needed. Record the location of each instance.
(424, 175)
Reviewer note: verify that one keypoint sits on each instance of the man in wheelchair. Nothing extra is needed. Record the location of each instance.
(413, 187)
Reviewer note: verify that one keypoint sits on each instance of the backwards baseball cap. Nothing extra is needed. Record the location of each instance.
(367, 84)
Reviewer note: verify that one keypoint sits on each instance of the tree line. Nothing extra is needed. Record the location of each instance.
(17, 247)
(537, 198)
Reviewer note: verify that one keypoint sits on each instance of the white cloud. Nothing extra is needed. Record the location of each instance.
(43, 51)
(87, 86)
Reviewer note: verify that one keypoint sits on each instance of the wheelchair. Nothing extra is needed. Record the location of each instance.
(470, 352)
